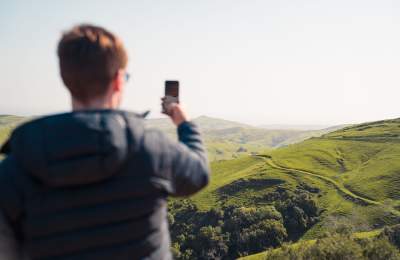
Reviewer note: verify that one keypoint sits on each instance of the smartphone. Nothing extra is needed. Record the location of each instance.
(171, 94)
(172, 88)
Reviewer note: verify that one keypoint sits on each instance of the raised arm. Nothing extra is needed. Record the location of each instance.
(184, 165)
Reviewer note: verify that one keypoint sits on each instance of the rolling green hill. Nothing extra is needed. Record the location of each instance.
(364, 162)
(364, 158)
(353, 174)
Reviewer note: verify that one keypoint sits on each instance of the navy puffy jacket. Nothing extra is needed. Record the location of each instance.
(93, 184)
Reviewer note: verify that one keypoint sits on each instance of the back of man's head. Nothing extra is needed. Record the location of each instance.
(90, 58)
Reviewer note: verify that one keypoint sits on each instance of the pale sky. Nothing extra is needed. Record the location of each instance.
(254, 61)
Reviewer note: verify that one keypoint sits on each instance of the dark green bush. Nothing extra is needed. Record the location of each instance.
(393, 234)
(338, 247)
(230, 232)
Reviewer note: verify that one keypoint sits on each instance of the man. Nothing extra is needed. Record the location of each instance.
(93, 183)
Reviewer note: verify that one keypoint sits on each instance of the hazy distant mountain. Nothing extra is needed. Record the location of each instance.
(306, 134)
(205, 123)
(210, 123)
(294, 127)
(9, 120)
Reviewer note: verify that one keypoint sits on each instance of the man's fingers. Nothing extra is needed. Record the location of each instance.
(171, 108)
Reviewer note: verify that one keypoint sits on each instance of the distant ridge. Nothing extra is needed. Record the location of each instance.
(294, 127)
(224, 139)
(205, 122)
(216, 123)
(10, 120)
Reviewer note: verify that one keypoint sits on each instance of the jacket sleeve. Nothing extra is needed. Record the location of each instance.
(190, 169)
(184, 164)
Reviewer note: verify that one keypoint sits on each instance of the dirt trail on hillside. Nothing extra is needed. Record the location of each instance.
(347, 194)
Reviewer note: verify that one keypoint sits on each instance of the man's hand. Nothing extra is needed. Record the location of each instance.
(176, 113)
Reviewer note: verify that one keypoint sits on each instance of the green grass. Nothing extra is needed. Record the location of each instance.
(370, 168)
(379, 130)
(343, 190)
(4, 134)
(249, 170)
(224, 173)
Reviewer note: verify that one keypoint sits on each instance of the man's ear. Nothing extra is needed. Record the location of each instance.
(118, 82)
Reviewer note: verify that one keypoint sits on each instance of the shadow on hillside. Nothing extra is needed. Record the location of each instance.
(246, 184)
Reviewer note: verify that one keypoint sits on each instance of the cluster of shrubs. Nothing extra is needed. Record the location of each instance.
(230, 232)
(344, 246)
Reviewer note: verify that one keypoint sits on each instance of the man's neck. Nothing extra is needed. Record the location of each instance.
(95, 104)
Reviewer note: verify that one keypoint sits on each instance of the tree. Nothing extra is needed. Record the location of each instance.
(211, 243)
(392, 234)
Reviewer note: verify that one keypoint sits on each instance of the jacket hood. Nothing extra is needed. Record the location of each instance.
(76, 148)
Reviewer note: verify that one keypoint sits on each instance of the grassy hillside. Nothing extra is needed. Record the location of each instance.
(256, 136)
(249, 181)
(353, 174)
(369, 168)
(364, 158)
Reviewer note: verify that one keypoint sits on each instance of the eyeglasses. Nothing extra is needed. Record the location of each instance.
(127, 76)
